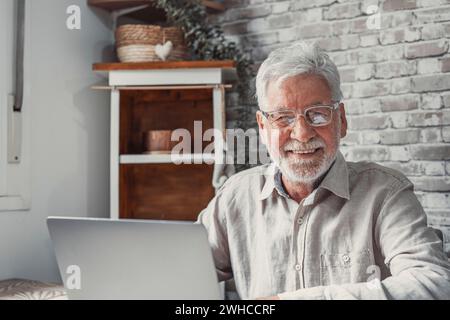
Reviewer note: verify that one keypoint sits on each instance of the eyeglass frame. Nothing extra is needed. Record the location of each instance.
(333, 106)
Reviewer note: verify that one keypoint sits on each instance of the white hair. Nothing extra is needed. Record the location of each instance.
(299, 58)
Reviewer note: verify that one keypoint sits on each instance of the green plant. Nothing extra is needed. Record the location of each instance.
(206, 40)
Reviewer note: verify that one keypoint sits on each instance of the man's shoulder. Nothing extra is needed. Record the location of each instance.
(377, 171)
(247, 178)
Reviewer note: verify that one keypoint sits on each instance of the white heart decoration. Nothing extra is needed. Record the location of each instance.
(163, 51)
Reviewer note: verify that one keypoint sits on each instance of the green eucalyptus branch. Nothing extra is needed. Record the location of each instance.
(207, 41)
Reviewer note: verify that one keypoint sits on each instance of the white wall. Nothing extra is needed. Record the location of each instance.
(69, 135)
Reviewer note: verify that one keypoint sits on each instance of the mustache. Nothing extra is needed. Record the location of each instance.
(295, 145)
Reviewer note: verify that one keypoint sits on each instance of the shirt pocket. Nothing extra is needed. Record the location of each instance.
(345, 267)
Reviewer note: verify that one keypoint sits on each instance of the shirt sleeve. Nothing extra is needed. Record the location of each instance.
(412, 251)
(213, 218)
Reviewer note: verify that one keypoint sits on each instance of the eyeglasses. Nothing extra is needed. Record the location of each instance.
(315, 116)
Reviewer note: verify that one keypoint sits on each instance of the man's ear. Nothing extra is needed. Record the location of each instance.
(261, 127)
(343, 120)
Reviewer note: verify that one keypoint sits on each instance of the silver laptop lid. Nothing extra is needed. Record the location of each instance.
(131, 259)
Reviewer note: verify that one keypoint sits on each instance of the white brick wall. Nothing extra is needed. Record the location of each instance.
(396, 79)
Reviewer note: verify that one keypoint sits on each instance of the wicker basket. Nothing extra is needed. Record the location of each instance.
(138, 34)
(136, 43)
(137, 53)
(173, 34)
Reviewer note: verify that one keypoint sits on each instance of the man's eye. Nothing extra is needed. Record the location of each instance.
(282, 118)
(320, 112)
(318, 117)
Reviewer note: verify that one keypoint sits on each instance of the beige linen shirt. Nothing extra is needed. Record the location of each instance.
(361, 234)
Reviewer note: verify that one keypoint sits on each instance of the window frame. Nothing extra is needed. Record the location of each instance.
(15, 178)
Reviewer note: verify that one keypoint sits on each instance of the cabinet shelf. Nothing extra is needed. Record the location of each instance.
(156, 73)
(151, 13)
(111, 5)
(155, 65)
(166, 158)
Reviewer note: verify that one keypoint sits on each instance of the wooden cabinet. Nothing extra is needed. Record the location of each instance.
(186, 95)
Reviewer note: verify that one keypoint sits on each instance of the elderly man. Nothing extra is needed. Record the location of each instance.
(311, 225)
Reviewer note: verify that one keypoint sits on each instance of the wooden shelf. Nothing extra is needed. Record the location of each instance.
(165, 158)
(151, 14)
(226, 64)
(214, 5)
(112, 5)
(168, 75)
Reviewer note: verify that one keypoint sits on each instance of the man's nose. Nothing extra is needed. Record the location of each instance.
(301, 130)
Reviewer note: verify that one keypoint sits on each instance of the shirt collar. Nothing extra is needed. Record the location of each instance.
(336, 180)
(269, 185)
(279, 184)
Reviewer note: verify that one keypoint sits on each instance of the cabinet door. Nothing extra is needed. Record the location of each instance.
(164, 191)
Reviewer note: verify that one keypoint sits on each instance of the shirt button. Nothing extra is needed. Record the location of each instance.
(298, 267)
(346, 258)
(300, 220)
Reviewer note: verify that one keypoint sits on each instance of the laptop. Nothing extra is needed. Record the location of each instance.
(134, 259)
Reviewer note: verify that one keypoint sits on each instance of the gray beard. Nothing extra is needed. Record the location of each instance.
(306, 172)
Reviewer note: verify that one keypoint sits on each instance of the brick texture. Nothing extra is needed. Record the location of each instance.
(395, 79)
